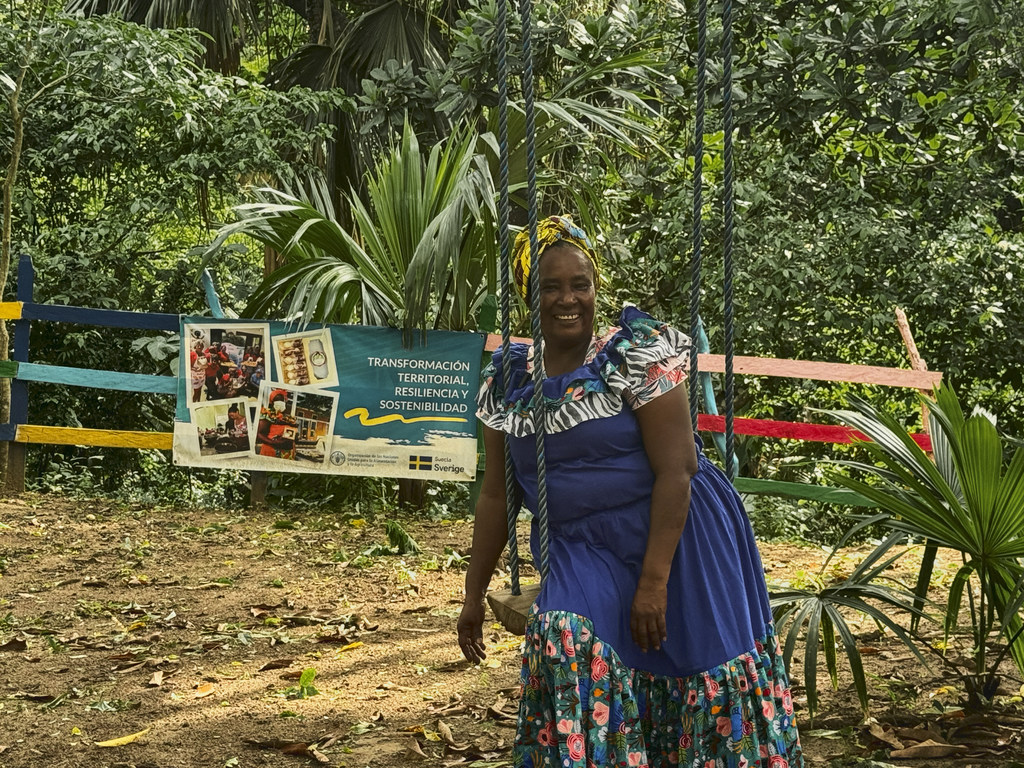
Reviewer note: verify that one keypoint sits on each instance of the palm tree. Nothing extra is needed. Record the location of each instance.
(968, 500)
(421, 254)
(226, 25)
(343, 48)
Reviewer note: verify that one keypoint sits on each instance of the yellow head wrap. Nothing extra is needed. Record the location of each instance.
(551, 230)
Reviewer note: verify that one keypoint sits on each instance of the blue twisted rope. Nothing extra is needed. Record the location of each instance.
(511, 500)
(539, 414)
(728, 209)
(698, 204)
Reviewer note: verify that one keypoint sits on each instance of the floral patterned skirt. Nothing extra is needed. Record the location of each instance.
(582, 707)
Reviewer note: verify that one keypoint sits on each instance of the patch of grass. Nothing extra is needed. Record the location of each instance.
(88, 609)
(137, 549)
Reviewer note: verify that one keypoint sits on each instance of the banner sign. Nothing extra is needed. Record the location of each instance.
(339, 399)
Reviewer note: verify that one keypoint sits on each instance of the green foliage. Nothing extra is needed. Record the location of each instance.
(400, 540)
(129, 149)
(969, 500)
(422, 254)
(778, 519)
(819, 613)
(878, 164)
(224, 25)
(305, 689)
(113, 705)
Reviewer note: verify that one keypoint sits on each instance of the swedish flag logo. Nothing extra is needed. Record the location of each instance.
(421, 462)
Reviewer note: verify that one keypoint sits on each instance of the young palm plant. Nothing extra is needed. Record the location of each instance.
(968, 500)
(422, 253)
(821, 612)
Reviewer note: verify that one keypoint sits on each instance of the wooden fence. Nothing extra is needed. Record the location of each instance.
(19, 433)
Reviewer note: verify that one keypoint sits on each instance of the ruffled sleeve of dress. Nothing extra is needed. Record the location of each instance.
(642, 358)
(491, 405)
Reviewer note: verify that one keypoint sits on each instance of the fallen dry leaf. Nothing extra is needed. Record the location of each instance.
(294, 748)
(43, 698)
(885, 735)
(276, 664)
(445, 731)
(204, 689)
(927, 749)
(123, 740)
(157, 679)
(330, 739)
(15, 645)
(497, 712)
(414, 748)
(317, 755)
(915, 734)
(263, 609)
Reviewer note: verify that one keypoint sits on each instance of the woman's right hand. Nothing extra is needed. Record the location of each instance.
(471, 630)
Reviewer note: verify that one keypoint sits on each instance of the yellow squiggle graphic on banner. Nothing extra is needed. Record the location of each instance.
(364, 419)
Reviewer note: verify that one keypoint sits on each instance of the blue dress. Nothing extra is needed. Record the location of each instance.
(716, 694)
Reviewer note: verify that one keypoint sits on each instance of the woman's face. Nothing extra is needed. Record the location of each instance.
(567, 294)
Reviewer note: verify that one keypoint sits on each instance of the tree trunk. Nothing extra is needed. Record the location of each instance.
(5, 412)
(18, 128)
(313, 12)
(412, 492)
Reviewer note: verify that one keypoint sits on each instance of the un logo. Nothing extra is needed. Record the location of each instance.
(337, 458)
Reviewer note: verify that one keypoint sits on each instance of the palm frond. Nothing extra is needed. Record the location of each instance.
(225, 24)
(964, 500)
(415, 258)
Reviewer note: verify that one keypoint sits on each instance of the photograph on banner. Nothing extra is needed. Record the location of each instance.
(222, 429)
(306, 359)
(294, 425)
(226, 361)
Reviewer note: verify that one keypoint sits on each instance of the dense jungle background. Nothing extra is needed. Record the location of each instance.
(336, 160)
(877, 166)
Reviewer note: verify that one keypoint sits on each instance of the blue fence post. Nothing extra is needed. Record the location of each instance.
(212, 299)
(17, 452)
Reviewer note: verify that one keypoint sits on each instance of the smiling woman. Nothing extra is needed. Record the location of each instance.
(651, 641)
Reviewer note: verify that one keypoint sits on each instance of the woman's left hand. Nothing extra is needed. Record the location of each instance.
(647, 617)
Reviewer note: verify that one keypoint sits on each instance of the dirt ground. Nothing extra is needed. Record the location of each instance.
(168, 638)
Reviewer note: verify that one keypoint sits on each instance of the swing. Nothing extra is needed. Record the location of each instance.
(511, 605)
